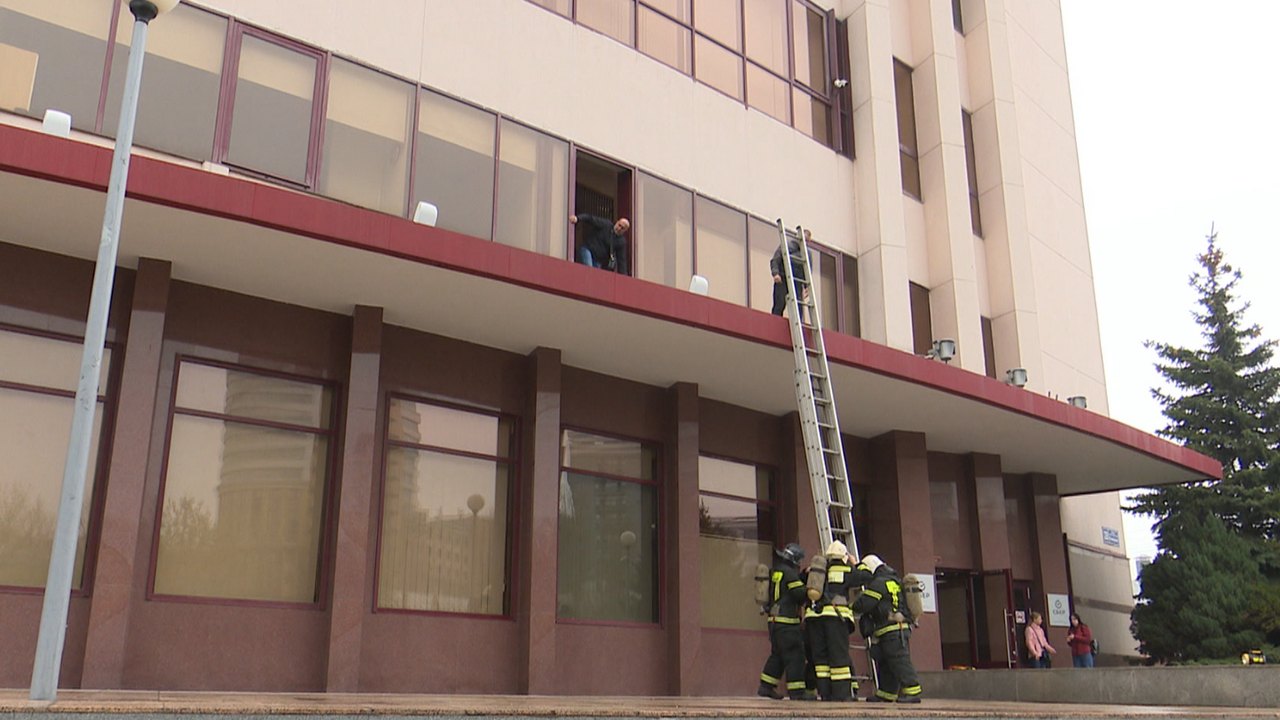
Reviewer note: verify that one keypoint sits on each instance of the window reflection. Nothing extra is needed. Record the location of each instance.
(766, 27)
(533, 191)
(768, 93)
(244, 487)
(664, 40)
(736, 527)
(271, 128)
(719, 19)
(664, 243)
(722, 251)
(453, 164)
(718, 67)
(43, 52)
(445, 515)
(365, 159)
(611, 17)
(809, 38)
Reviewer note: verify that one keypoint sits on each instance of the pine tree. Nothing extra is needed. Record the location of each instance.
(1224, 402)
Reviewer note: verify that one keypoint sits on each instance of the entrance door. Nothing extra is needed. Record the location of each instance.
(975, 614)
(955, 618)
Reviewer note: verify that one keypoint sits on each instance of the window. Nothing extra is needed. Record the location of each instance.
(957, 18)
(608, 532)
(178, 102)
(809, 43)
(843, 94)
(44, 47)
(908, 150)
(664, 232)
(445, 509)
(273, 109)
(762, 241)
(988, 347)
(825, 267)
(533, 190)
(722, 251)
(720, 20)
(921, 320)
(366, 138)
(851, 320)
(453, 164)
(737, 527)
(562, 7)
(244, 487)
(38, 380)
(611, 17)
(665, 40)
(718, 67)
(971, 164)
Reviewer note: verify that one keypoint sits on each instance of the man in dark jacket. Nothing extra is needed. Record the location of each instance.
(786, 640)
(779, 274)
(604, 244)
(886, 623)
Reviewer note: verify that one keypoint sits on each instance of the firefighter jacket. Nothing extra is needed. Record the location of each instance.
(786, 594)
(882, 605)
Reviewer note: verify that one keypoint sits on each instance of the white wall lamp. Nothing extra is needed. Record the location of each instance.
(56, 123)
(943, 350)
(1016, 377)
(1079, 401)
(426, 214)
(698, 285)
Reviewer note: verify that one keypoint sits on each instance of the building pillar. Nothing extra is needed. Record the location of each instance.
(683, 581)
(1050, 555)
(120, 573)
(991, 524)
(882, 234)
(800, 523)
(902, 525)
(351, 577)
(539, 519)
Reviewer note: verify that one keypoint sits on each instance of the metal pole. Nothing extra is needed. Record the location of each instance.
(57, 593)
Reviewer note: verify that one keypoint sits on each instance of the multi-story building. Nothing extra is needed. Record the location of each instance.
(341, 450)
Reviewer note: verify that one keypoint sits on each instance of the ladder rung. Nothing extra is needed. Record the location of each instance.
(837, 504)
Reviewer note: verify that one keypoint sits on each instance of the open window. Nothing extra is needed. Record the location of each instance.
(601, 188)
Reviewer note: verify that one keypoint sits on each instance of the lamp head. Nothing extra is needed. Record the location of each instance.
(698, 285)
(1079, 401)
(1016, 377)
(147, 10)
(943, 350)
(426, 214)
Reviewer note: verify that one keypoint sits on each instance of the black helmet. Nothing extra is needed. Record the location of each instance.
(792, 553)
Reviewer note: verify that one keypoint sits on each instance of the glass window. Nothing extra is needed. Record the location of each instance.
(453, 164)
(809, 35)
(908, 151)
(768, 93)
(921, 319)
(722, 251)
(37, 387)
(664, 240)
(271, 127)
(766, 24)
(244, 486)
(813, 117)
(608, 530)
(178, 103)
(971, 164)
(533, 191)
(51, 56)
(445, 510)
(736, 524)
(827, 289)
(719, 19)
(366, 138)
(988, 347)
(762, 241)
(664, 40)
(678, 9)
(611, 17)
(718, 67)
(558, 6)
(849, 292)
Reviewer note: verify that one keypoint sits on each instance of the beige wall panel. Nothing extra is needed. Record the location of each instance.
(902, 38)
(1042, 20)
(1089, 514)
(1056, 220)
(917, 241)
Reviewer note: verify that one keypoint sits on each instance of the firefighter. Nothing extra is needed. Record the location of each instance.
(886, 623)
(828, 619)
(786, 641)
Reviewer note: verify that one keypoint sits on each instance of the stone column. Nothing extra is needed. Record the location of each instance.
(1050, 556)
(683, 581)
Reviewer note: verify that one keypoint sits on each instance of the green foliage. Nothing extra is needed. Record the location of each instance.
(1214, 588)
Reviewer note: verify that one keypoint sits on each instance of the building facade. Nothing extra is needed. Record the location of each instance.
(338, 450)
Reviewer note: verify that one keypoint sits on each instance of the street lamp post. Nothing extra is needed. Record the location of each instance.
(57, 589)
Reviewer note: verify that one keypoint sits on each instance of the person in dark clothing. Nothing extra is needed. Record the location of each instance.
(886, 623)
(786, 640)
(605, 243)
(779, 274)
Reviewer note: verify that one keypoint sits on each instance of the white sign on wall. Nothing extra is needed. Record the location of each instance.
(930, 594)
(1059, 611)
(1110, 536)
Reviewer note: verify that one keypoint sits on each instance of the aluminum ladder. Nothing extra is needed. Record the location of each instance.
(819, 424)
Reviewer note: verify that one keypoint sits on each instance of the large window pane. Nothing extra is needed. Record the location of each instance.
(560, 6)
(533, 191)
(908, 151)
(766, 26)
(443, 427)
(46, 362)
(762, 240)
(768, 93)
(664, 242)
(444, 531)
(736, 535)
(178, 103)
(678, 9)
(51, 56)
(271, 129)
(608, 550)
(809, 35)
(813, 117)
(453, 164)
(607, 455)
(242, 501)
(720, 19)
(718, 67)
(366, 138)
(611, 17)
(722, 251)
(827, 290)
(664, 40)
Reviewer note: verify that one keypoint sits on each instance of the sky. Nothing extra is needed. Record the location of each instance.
(1177, 112)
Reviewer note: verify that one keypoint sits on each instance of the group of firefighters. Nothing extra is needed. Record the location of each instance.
(813, 610)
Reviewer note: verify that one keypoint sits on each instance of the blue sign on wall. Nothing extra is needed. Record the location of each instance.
(1110, 536)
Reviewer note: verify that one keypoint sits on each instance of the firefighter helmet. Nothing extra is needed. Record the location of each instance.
(792, 553)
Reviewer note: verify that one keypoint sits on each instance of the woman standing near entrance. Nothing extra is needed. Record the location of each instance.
(1081, 641)
(1038, 646)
